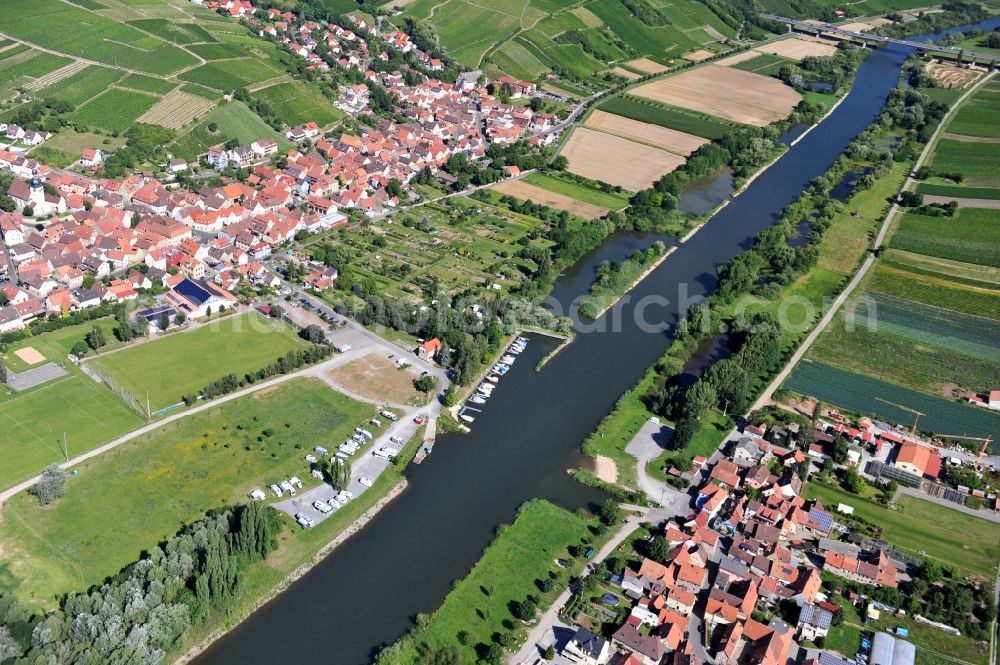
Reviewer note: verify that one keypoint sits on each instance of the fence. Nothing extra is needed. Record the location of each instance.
(98, 373)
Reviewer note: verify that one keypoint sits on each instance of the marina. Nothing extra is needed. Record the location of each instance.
(468, 414)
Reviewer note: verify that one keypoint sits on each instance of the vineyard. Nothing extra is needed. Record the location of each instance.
(862, 394)
(115, 110)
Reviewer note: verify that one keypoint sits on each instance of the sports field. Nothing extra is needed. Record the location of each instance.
(726, 93)
(32, 424)
(185, 362)
(143, 491)
(617, 161)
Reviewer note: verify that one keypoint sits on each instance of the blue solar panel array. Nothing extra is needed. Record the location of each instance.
(823, 520)
(193, 291)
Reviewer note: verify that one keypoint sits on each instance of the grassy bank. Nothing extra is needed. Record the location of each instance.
(513, 566)
(152, 485)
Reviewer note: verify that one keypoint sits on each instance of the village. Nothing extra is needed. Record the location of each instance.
(760, 572)
(76, 241)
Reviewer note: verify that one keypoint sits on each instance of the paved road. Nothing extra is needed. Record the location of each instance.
(766, 396)
(535, 644)
(370, 343)
(982, 514)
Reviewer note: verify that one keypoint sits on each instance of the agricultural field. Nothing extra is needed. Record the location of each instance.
(958, 191)
(968, 543)
(526, 191)
(114, 110)
(578, 191)
(26, 67)
(176, 110)
(231, 74)
(219, 51)
(528, 38)
(233, 120)
(797, 48)
(296, 103)
(764, 64)
(671, 117)
(174, 31)
(972, 236)
(185, 362)
(726, 93)
(159, 481)
(82, 86)
(56, 25)
(945, 292)
(933, 350)
(862, 393)
(978, 116)
(146, 84)
(650, 134)
(480, 604)
(617, 161)
(976, 161)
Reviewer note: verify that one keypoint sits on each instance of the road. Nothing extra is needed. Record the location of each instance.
(766, 396)
(369, 343)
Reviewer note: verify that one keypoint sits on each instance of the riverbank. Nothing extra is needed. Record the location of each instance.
(616, 295)
(353, 528)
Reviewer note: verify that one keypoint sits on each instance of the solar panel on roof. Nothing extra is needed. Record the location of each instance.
(193, 291)
(822, 519)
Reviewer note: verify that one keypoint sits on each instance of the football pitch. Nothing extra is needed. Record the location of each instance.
(32, 424)
(185, 362)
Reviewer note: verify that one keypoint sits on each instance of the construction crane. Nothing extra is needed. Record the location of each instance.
(916, 414)
(982, 451)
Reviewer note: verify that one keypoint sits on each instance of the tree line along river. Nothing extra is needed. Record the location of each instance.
(367, 593)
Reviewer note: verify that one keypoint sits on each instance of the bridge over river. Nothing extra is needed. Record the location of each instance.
(818, 29)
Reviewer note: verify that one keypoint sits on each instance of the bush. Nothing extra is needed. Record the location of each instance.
(51, 486)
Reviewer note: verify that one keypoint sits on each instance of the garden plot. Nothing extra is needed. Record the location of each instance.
(617, 161)
(528, 192)
(176, 110)
(659, 137)
(725, 93)
(797, 48)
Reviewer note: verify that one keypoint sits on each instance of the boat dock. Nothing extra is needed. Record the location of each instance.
(427, 447)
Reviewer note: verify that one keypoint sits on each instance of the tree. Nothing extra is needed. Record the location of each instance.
(51, 486)
(80, 349)
(340, 473)
(550, 653)
(451, 396)
(853, 483)
(95, 338)
(313, 333)
(426, 384)
(560, 163)
(611, 513)
(140, 326)
(3, 371)
(659, 549)
(164, 321)
(525, 610)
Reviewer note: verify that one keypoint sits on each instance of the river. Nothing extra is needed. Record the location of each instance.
(367, 593)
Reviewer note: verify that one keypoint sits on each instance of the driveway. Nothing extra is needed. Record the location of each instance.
(649, 443)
